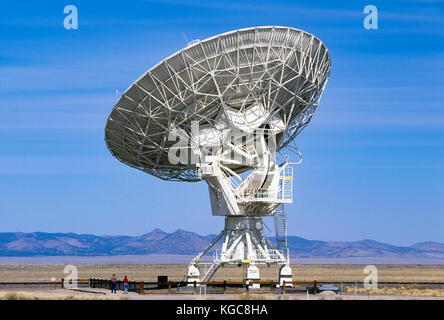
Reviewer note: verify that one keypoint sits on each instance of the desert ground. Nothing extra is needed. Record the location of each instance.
(149, 272)
(175, 272)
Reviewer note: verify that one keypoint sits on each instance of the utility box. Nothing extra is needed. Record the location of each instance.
(162, 282)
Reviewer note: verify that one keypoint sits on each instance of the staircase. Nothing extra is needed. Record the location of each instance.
(209, 273)
(280, 224)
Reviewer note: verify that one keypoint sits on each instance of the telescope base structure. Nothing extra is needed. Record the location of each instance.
(285, 274)
(244, 245)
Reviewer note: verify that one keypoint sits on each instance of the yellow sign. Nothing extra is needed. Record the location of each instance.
(287, 178)
(246, 261)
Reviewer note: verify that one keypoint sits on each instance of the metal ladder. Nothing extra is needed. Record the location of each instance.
(287, 183)
(280, 224)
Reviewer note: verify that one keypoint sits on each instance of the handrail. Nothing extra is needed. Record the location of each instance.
(258, 256)
(62, 282)
(224, 284)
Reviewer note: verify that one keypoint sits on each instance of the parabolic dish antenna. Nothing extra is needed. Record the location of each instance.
(220, 110)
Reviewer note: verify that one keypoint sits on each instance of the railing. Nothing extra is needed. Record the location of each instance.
(183, 287)
(259, 195)
(226, 287)
(82, 282)
(173, 287)
(258, 257)
(313, 283)
(284, 194)
(134, 286)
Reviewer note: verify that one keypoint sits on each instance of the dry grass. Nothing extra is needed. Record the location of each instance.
(413, 290)
(395, 273)
(56, 295)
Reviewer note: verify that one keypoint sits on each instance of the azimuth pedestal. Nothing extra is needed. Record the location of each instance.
(244, 240)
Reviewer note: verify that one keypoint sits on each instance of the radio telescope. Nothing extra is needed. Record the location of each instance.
(226, 110)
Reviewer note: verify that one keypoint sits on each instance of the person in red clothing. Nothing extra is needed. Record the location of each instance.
(125, 285)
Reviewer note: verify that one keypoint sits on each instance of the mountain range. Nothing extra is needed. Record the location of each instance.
(182, 242)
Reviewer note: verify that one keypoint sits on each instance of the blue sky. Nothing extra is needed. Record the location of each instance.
(373, 153)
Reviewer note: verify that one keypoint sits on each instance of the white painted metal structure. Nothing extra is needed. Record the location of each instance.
(220, 110)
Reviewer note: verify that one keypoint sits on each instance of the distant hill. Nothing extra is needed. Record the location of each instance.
(182, 242)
